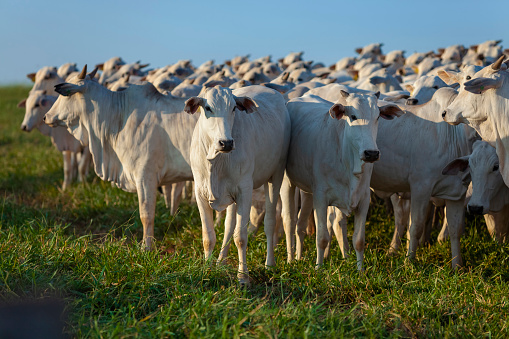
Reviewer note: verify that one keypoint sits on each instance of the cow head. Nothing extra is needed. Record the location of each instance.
(484, 171)
(71, 103)
(361, 113)
(218, 107)
(37, 104)
(477, 95)
(423, 89)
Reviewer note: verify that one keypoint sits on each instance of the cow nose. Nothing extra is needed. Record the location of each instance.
(44, 118)
(24, 128)
(412, 101)
(371, 156)
(226, 145)
(474, 209)
(443, 114)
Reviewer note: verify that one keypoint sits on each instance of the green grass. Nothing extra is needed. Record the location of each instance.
(83, 245)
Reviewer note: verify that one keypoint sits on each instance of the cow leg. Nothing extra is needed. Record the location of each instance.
(401, 208)
(84, 165)
(455, 218)
(288, 212)
(322, 234)
(428, 225)
(219, 216)
(359, 233)
(331, 217)
(176, 196)
(340, 230)
(229, 227)
(167, 195)
(240, 235)
(207, 225)
(444, 232)
(306, 208)
(497, 224)
(418, 208)
(147, 205)
(67, 155)
(272, 189)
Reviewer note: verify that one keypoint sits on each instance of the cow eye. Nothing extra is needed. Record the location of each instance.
(469, 77)
(435, 87)
(207, 108)
(495, 168)
(299, 79)
(353, 117)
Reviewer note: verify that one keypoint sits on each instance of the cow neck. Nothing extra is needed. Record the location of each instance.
(498, 105)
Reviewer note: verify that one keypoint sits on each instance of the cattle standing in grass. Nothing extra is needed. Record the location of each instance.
(139, 138)
(240, 143)
(331, 157)
(490, 196)
(483, 103)
(416, 148)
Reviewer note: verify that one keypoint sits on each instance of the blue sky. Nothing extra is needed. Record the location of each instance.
(45, 33)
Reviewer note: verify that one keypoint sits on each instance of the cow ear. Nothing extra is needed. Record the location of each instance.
(481, 85)
(100, 66)
(31, 76)
(337, 111)
(246, 104)
(358, 50)
(390, 112)
(67, 89)
(22, 103)
(449, 77)
(192, 104)
(456, 166)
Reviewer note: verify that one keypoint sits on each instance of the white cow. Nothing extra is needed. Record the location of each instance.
(240, 143)
(74, 155)
(489, 196)
(330, 157)
(423, 89)
(415, 149)
(483, 103)
(139, 138)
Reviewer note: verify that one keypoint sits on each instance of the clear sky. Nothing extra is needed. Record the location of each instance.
(34, 34)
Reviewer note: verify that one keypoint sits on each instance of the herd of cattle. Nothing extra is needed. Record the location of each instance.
(308, 134)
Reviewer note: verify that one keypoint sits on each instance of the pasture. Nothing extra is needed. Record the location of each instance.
(83, 245)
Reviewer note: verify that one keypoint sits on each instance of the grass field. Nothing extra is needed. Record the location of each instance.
(83, 246)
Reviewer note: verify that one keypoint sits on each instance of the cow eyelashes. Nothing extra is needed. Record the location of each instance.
(353, 118)
(495, 168)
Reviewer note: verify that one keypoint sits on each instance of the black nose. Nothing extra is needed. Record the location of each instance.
(475, 209)
(411, 101)
(371, 156)
(23, 128)
(443, 114)
(226, 145)
(44, 118)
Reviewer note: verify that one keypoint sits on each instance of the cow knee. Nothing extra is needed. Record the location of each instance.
(359, 245)
(239, 242)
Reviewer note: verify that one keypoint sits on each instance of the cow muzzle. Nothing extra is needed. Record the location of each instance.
(370, 156)
(446, 116)
(49, 121)
(225, 146)
(475, 209)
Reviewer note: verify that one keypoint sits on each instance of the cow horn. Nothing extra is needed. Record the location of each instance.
(83, 73)
(496, 65)
(92, 74)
